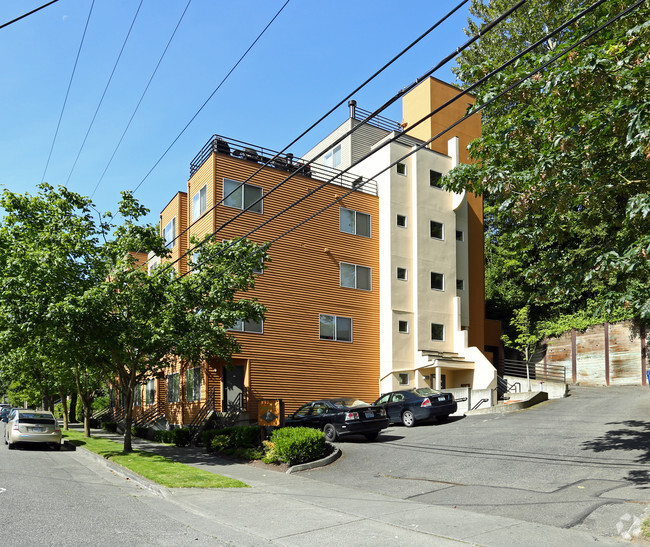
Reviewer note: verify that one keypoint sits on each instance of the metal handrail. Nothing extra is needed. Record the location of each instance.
(536, 371)
(378, 121)
(286, 162)
(150, 415)
(479, 403)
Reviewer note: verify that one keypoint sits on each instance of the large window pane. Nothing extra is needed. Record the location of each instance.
(363, 224)
(327, 323)
(344, 329)
(251, 195)
(232, 193)
(347, 275)
(364, 278)
(347, 221)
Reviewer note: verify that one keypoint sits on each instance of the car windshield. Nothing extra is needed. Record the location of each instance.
(426, 391)
(348, 402)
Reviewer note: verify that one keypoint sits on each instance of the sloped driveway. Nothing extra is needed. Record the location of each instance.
(580, 462)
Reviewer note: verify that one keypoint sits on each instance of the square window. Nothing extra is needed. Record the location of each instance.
(354, 222)
(437, 281)
(460, 235)
(335, 328)
(401, 221)
(401, 168)
(401, 274)
(403, 326)
(435, 179)
(355, 277)
(437, 331)
(460, 284)
(437, 229)
(242, 196)
(403, 378)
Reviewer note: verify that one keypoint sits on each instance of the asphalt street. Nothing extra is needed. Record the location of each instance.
(580, 462)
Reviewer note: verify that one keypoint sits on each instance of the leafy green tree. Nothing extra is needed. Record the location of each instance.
(563, 160)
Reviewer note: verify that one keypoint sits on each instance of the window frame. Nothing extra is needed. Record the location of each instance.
(460, 284)
(442, 279)
(433, 180)
(356, 222)
(335, 337)
(442, 339)
(397, 221)
(356, 276)
(460, 233)
(170, 243)
(241, 326)
(195, 382)
(243, 188)
(331, 156)
(150, 392)
(174, 387)
(401, 164)
(400, 376)
(401, 322)
(433, 223)
(200, 197)
(406, 273)
(137, 395)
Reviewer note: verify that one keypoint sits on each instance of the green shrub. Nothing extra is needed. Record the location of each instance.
(164, 436)
(294, 445)
(246, 453)
(58, 410)
(140, 431)
(206, 437)
(110, 427)
(239, 436)
(270, 454)
(181, 436)
(220, 442)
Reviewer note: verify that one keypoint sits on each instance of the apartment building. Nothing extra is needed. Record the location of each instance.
(381, 290)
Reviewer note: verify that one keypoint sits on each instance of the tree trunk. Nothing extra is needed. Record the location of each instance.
(73, 409)
(64, 404)
(128, 405)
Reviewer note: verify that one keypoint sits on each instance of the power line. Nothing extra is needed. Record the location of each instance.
(67, 93)
(342, 101)
(469, 114)
(27, 14)
(212, 94)
(142, 97)
(105, 90)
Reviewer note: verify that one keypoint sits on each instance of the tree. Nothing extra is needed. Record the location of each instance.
(563, 160)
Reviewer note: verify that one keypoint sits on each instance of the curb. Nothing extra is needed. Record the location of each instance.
(335, 455)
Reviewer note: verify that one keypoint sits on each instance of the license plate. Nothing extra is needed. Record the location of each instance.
(442, 398)
(370, 414)
(38, 429)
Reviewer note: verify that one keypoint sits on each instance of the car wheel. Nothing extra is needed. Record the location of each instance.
(372, 436)
(330, 433)
(408, 418)
(10, 446)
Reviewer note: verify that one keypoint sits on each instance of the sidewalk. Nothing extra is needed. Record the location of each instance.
(293, 510)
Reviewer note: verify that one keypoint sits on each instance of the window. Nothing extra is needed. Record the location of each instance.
(437, 331)
(150, 393)
(435, 179)
(460, 284)
(169, 233)
(200, 202)
(401, 168)
(401, 274)
(333, 157)
(403, 378)
(335, 328)
(403, 326)
(242, 196)
(248, 326)
(437, 229)
(193, 384)
(401, 221)
(437, 281)
(354, 222)
(137, 395)
(173, 388)
(460, 235)
(356, 277)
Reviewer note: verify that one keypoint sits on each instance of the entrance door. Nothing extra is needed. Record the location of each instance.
(233, 387)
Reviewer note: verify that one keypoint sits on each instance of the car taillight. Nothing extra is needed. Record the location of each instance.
(15, 426)
(425, 403)
(351, 416)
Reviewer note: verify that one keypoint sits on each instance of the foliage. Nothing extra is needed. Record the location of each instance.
(152, 466)
(141, 431)
(563, 162)
(181, 436)
(270, 454)
(110, 427)
(220, 442)
(526, 339)
(164, 436)
(294, 445)
(239, 436)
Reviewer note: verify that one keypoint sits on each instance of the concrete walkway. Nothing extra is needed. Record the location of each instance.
(293, 510)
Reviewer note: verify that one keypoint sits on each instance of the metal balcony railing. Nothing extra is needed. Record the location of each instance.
(285, 162)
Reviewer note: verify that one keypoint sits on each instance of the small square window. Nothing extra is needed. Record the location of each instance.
(437, 229)
(401, 168)
(401, 221)
(401, 274)
(403, 326)
(460, 235)
(460, 284)
(437, 331)
(403, 378)
(437, 281)
(435, 179)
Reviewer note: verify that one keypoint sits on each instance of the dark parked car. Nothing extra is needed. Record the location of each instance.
(417, 405)
(340, 416)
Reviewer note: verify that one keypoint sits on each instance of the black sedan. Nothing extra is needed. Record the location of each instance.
(417, 405)
(340, 416)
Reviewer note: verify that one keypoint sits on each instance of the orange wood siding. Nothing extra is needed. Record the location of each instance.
(176, 208)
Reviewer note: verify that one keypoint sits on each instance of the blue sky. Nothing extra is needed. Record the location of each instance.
(309, 59)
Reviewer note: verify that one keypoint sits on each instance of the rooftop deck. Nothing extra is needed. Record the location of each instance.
(285, 162)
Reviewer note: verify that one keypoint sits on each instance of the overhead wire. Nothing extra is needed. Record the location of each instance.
(269, 161)
(137, 106)
(27, 14)
(67, 93)
(108, 83)
(213, 93)
(473, 111)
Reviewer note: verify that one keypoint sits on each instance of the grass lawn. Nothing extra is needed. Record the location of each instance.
(152, 466)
